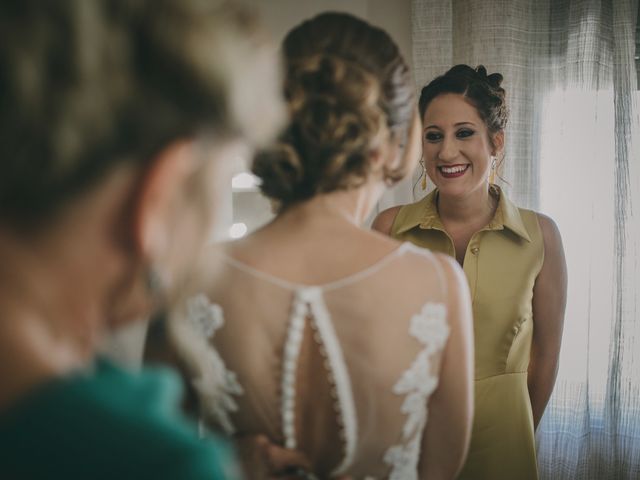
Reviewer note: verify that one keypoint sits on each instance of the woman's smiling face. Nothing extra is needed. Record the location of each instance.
(457, 145)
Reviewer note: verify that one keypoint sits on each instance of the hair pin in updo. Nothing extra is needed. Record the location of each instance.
(494, 79)
(481, 71)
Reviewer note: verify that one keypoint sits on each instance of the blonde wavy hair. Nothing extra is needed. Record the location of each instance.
(348, 90)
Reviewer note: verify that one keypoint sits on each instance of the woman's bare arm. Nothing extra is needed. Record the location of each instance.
(384, 221)
(549, 301)
(448, 431)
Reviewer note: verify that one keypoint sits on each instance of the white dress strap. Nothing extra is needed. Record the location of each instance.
(289, 366)
(334, 285)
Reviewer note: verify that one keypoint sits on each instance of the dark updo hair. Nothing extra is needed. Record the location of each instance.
(482, 90)
(348, 89)
(87, 85)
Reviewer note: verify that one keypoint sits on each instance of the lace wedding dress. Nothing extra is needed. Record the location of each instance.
(341, 371)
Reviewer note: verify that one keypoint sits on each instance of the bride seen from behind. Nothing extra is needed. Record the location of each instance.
(327, 337)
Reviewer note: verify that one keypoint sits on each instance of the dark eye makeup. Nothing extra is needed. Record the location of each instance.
(434, 136)
(464, 133)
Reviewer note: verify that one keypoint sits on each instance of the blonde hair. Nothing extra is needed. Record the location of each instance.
(348, 90)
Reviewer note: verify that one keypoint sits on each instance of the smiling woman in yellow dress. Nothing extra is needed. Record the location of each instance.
(512, 257)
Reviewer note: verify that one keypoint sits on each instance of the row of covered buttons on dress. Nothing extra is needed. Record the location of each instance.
(301, 309)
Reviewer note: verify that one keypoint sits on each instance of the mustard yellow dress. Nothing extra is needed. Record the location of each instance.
(501, 264)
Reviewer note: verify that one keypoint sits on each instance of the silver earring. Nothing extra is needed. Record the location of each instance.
(154, 281)
(157, 283)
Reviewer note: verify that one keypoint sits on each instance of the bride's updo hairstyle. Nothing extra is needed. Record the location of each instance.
(348, 90)
(482, 90)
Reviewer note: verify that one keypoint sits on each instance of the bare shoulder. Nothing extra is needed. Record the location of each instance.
(550, 232)
(243, 248)
(384, 220)
(453, 273)
(448, 269)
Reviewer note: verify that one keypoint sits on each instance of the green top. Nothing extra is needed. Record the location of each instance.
(108, 424)
(501, 264)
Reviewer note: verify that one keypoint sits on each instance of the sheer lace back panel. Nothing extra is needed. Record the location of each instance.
(341, 371)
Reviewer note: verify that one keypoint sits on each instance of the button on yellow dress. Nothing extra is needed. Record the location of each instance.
(501, 264)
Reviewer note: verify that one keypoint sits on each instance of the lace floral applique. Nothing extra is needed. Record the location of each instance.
(417, 383)
(216, 385)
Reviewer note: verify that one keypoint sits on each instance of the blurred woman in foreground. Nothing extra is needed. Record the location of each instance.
(117, 121)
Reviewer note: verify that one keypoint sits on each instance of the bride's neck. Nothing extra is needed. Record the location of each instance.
(352, 205)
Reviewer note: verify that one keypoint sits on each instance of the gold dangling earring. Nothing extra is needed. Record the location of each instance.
(492, 175)
(423, 183)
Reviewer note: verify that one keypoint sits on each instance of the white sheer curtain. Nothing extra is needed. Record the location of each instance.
(573, 152)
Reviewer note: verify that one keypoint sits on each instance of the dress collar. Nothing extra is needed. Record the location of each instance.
(424, 214)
